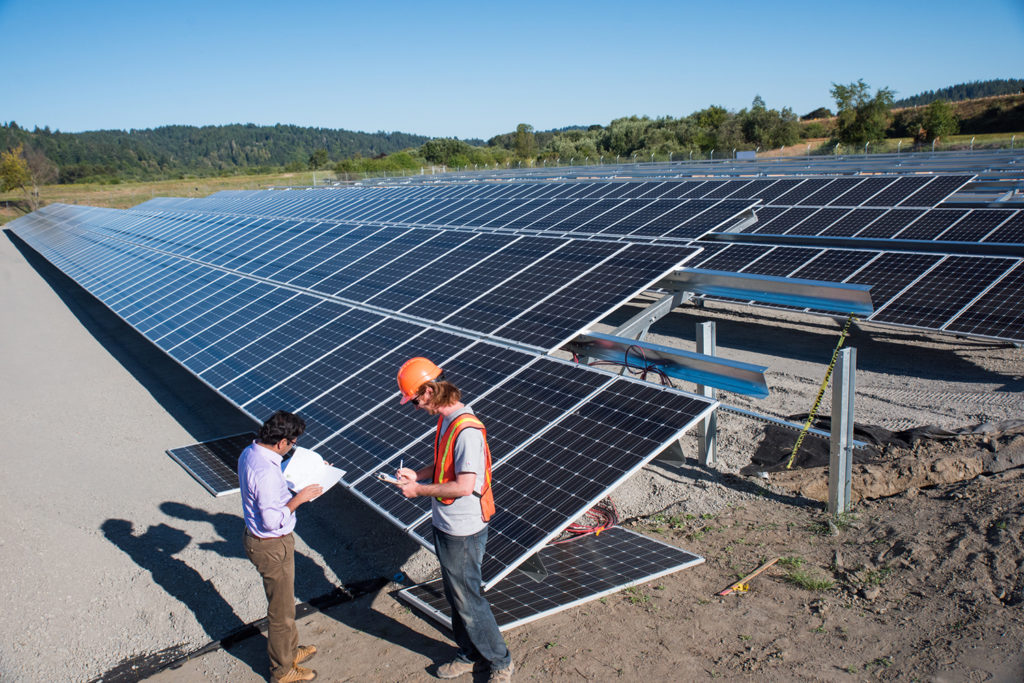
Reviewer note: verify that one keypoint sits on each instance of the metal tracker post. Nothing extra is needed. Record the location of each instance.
(708, 427)
(840, 462)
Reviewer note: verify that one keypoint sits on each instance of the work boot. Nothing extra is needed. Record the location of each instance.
(296, 673)
(455, 668)
(502, 675)
(304, 653)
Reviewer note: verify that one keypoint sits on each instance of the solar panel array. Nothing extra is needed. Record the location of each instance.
(309, 301)
(842, 220)
(268, 313)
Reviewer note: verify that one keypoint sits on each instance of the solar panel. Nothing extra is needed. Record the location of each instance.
(214, 464)
(861, 192)
(891, 272)
(996, 312)
(930, 224)
(549, 323)
(940, 188)
(581, 570)
(943, 291)
(852, 223)
(1012, 231)
(898, 191)
(890, 223)
(975, 226)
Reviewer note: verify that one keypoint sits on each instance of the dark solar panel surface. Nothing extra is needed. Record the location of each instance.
(998, 311)
(1012, 231)
(891, 272)
(943, 291)
(581, 570)
(975, 226)
(214, 464)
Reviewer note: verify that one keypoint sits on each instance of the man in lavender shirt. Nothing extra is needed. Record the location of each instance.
(269, 510)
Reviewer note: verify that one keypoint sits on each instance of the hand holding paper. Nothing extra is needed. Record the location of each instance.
(306, 467)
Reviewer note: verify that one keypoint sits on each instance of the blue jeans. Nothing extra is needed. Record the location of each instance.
(476, 631)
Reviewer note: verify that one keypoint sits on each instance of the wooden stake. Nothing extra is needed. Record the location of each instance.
(749, 576)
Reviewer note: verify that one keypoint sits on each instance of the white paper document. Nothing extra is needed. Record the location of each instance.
(306, 467)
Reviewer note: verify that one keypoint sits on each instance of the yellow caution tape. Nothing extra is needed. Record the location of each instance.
(821, 391)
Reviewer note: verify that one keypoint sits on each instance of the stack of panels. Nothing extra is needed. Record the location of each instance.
(580, 570)
(188, 284)
(977, 295)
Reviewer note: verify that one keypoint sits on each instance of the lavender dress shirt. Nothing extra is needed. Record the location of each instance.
(265, 494)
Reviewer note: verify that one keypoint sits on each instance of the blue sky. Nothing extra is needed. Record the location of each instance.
(476, 69)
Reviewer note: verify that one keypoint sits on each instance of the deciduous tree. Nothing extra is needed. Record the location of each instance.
(15, 175)
(939, 121)
(525, 145)
(861, 117)
(318, 158)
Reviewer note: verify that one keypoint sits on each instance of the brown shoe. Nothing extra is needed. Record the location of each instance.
(502, 675)
(304, 653)
(455, 668)
(296, 673)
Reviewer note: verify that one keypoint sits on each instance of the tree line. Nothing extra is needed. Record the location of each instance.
(965, 91)
(174, 151)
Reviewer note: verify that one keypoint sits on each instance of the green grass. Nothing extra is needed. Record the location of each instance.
(791, 562)
(876, 577)
(635, 596)
(809, 581)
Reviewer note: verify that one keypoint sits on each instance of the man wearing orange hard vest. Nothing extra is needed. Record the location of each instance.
(459, 481)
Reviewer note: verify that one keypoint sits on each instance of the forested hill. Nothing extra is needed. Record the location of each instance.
(965, 91)
(172, 150)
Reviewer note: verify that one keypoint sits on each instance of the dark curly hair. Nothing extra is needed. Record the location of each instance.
(281, 425)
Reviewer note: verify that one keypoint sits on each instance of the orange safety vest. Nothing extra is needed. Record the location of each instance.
(444, 460)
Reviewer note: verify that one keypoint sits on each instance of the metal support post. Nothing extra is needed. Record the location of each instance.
(708, 428)
(840, 462)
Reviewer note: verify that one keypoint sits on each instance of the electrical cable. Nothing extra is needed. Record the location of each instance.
(602, 516)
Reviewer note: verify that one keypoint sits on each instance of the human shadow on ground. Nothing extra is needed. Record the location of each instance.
(154, 550)
(310, 578)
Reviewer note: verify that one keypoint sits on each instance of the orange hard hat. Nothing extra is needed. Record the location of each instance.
(413, 374)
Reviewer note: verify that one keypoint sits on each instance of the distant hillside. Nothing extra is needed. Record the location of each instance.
(208, 150)
(996, 114)
(965, 91)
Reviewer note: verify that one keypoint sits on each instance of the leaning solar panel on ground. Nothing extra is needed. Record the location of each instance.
(574, 572)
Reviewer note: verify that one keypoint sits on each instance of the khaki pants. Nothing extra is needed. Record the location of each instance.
(275, 560)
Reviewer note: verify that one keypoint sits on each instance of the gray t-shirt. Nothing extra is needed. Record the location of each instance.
(463, 517)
